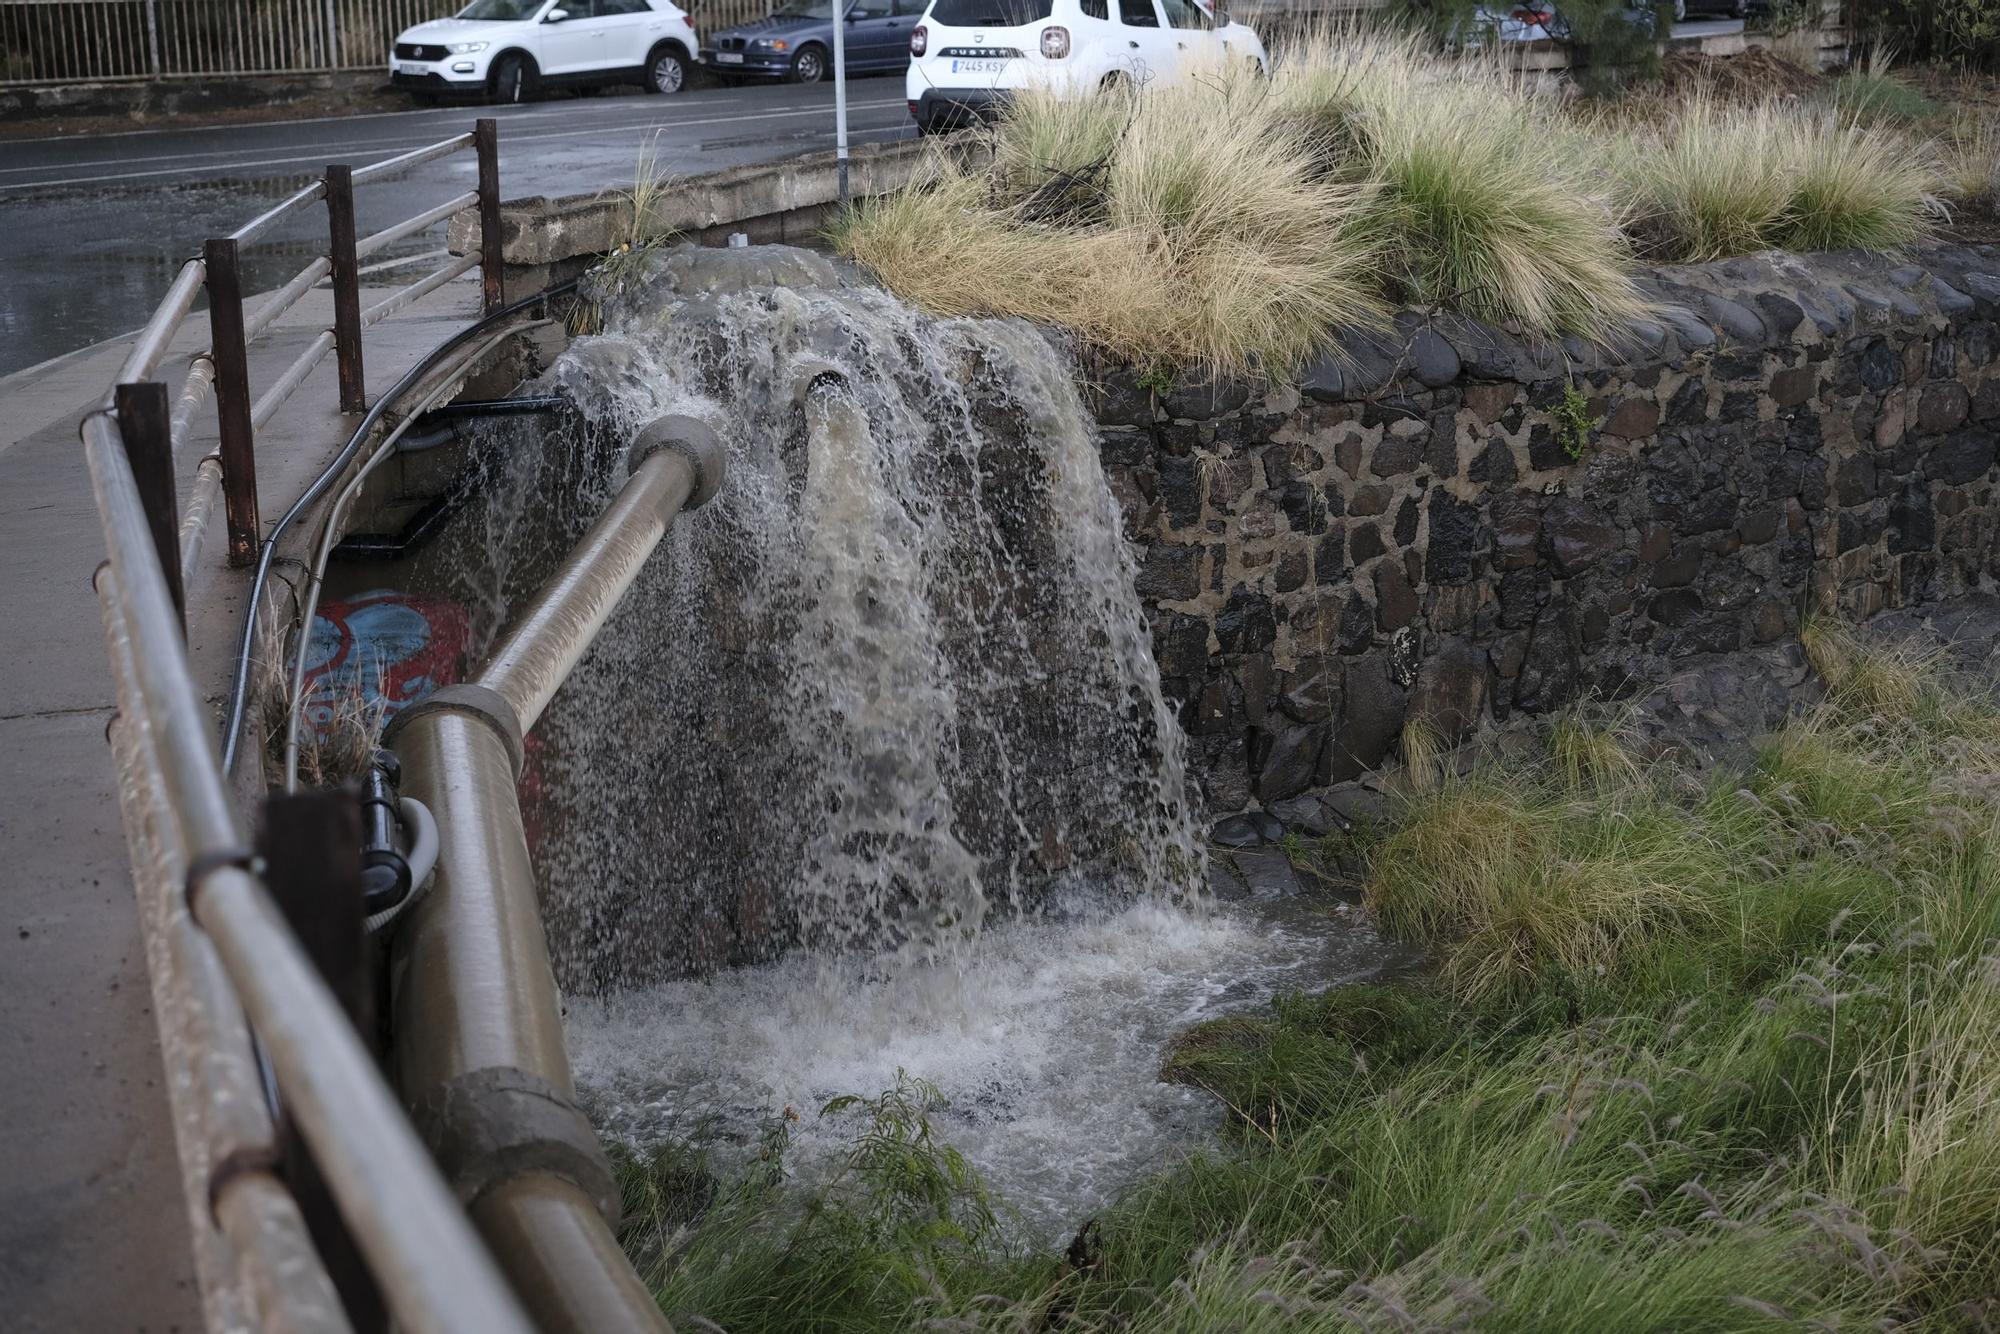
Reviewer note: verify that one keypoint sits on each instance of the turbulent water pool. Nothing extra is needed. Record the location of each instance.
(1045, 1040)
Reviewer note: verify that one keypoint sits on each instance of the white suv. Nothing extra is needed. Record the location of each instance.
(508, 49)
(968, 56)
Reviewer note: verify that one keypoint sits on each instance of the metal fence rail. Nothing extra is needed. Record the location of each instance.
(221, 954)
(108, 41)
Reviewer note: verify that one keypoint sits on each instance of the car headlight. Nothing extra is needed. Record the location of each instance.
(774, 44)
(466, 48)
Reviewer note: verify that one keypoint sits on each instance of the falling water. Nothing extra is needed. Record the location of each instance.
(894, 682)
(872, 770)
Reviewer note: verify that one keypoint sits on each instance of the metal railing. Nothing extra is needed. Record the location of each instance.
(106, 41)
(224, 961)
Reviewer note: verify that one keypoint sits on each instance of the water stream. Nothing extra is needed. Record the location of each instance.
(872, 772)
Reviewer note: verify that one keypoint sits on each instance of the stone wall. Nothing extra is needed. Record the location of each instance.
(1418, 529)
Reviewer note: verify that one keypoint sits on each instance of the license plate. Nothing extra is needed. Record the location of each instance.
(412, 69)
(729, 57)
(978, 66)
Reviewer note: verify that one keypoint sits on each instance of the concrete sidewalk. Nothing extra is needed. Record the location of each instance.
(93, 1223)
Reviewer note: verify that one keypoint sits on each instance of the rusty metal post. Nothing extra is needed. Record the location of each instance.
(346, 287)
(232, 398)
(486, 143)
(311, 846)
(146, 429)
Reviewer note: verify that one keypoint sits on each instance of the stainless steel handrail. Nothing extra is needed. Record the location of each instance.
(368, 245)
(419, 289)
(418, 1241)
(222, 953)
(416, 157)
(270, 217)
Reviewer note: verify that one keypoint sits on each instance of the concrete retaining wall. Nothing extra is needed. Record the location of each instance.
(1420, 529)
(547, 240)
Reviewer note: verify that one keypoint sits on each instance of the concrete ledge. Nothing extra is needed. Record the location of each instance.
(545, 240)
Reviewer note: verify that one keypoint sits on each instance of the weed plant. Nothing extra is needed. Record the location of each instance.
(1701, 1052)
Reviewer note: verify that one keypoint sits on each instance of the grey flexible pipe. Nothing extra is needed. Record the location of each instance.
(239, 684)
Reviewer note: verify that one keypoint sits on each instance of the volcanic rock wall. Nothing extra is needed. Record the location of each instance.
(1456, 524)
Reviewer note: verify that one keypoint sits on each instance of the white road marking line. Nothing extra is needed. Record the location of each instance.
(255, 163)
(506, 112)
(645, 117)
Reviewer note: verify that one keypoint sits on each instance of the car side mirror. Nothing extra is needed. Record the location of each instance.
(555, 16)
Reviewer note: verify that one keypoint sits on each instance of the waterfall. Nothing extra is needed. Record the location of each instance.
(893, 683)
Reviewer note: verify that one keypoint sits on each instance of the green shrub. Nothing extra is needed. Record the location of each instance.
(1870, 95)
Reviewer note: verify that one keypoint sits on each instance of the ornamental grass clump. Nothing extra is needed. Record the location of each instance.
(1471, 211)
(1734, 180)
(1181, 226)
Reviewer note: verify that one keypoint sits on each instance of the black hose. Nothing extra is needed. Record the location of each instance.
(239, 685)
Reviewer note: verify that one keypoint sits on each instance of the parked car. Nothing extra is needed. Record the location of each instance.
(969, 56)
(508, 50)
(1540, 21)
(1714, 9)
(796, 41)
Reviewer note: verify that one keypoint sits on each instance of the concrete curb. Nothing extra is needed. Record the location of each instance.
(546, 240)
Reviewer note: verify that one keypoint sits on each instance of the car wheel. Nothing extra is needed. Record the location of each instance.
(513, 80)
(809, 65)
(666, 72)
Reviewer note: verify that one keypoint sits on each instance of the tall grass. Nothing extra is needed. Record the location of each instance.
(1702, 1053)
(1243, 223)
(1473, 212)
(1732, 180)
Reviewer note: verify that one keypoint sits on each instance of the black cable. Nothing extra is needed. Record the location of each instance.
(239, 686)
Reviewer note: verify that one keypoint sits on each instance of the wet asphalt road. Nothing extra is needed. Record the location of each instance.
(93, 228)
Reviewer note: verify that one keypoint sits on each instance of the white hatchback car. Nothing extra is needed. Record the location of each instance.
(507, 50)
(967, 57)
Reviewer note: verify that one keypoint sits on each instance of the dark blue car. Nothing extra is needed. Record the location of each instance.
(796, 41)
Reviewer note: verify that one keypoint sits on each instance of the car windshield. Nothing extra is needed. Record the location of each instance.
(804, 9)
(503, 11)
(990, 13)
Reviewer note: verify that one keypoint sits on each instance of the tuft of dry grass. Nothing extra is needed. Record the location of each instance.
(1733, 180)
(1470, 211)
(1971, 161)
(1186, 245)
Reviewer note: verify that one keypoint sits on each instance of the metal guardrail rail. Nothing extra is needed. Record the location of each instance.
(224, 962)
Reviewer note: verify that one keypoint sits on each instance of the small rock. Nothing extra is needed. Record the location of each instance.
(1433, 360)
(1311, 815)
(1249, 830)
(1267, 874)
(1733, 320)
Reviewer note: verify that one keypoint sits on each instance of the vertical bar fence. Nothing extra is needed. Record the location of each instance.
(110, 41)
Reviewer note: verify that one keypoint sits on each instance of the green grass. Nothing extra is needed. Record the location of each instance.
(1701, 1053)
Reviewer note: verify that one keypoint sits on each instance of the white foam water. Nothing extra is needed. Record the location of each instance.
(1046, 1043)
